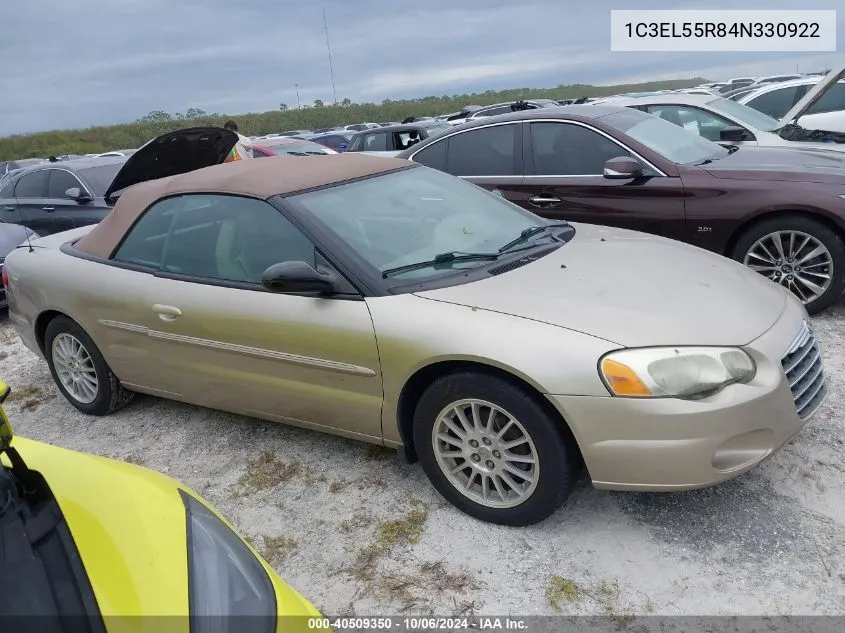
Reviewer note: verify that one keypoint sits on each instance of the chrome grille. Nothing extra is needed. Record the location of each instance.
(803, 367)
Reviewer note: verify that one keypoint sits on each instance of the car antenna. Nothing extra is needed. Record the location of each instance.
(29, 241)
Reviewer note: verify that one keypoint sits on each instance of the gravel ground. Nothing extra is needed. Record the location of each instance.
(359, 531)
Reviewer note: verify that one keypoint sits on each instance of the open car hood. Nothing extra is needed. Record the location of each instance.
(174, 153)
(813, 94)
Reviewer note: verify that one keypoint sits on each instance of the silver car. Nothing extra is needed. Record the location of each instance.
(391, 303)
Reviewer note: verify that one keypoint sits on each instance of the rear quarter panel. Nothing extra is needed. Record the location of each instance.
(45, 279)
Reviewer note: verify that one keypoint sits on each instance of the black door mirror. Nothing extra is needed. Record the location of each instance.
(623, 168)
(733, 134)
(75, 193)
(295, 277)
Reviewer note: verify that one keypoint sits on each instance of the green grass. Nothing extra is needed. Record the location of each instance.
(104, 138)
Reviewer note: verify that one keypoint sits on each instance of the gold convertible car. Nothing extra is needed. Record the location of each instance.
(93, 545)
(392, 303)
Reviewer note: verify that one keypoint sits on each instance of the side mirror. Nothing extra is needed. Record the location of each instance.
(623, 168)
(75, 193)
(733, 134)
(295, 277)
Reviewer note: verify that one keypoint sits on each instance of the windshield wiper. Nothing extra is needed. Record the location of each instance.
(442, 258)
(530, 232)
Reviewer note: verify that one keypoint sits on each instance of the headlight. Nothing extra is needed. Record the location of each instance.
(675, 372)
(228, 588)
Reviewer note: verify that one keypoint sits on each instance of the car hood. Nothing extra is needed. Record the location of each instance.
(632, 289)
(793, 164)
(129, 525)
(174, 153)
(813, 94)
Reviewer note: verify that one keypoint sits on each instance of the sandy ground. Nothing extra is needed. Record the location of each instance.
(357, 530)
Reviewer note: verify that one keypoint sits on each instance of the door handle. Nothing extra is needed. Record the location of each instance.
(48, 208)
(544, 200)
(10, 209)
(167, 313)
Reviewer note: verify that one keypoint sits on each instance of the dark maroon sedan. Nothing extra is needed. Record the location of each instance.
(780, 211)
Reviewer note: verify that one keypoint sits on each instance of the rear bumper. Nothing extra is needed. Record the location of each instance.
(670, 444)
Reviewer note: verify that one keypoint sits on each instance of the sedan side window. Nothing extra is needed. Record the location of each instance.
(375, 143)
(60, 181)
(7, 190)
(776, 103)
(702, 122)
(225, 238)
(486, 151)
(433, 155)
(32, 185)
(565, 149)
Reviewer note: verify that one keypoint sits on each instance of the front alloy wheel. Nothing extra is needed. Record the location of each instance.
(485, 453)
(804, 255)
(493, 448)
(794, 259)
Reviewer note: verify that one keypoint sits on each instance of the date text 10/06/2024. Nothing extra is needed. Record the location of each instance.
(408, 624)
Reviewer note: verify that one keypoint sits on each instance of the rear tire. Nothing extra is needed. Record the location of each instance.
(518, 466)
(760, 240)
(80, 371)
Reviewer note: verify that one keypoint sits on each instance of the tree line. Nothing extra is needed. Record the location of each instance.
(286, 117)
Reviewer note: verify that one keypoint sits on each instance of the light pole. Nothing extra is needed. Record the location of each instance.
(329, 49)
(298, 102)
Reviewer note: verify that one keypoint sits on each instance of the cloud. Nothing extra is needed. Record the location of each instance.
(95, 62)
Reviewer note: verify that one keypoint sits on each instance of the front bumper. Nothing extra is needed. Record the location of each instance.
(666, 444)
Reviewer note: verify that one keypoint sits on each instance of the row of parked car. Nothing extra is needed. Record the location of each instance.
(558, 171)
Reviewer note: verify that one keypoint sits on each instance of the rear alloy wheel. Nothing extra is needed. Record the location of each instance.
(492, 450)
(801, 254)
(80, 371)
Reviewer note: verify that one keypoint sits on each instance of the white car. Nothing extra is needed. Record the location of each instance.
(726, 121)
(827, 112)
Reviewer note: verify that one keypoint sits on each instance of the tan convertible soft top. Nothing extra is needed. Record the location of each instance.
(257, 178)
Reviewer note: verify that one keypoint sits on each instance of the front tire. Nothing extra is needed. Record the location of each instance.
(492, 450)
(80, 371)
(800, 253)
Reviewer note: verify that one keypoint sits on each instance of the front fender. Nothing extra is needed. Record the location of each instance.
(552, 359)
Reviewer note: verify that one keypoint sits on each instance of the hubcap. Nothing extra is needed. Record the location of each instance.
(485, 453)
(75, 368)
(795, 260)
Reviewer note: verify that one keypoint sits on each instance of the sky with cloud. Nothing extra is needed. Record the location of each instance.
(89, 62)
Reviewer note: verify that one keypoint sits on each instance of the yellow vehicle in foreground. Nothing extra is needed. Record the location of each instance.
(95, 545)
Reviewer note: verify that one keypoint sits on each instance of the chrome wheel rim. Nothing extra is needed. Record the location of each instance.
(794, 259)
(485, 453)
(75, 368)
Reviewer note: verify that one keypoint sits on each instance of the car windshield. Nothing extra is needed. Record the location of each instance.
(100, 177)
(662, 137)
(303, 148)
(744, 114)
(409, 216)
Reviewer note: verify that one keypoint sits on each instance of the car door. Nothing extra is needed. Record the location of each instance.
(31, 199)
(66, 213)
(221, 340)
(489, 156)
(564, 166)
(9, 211)
(706, 124)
